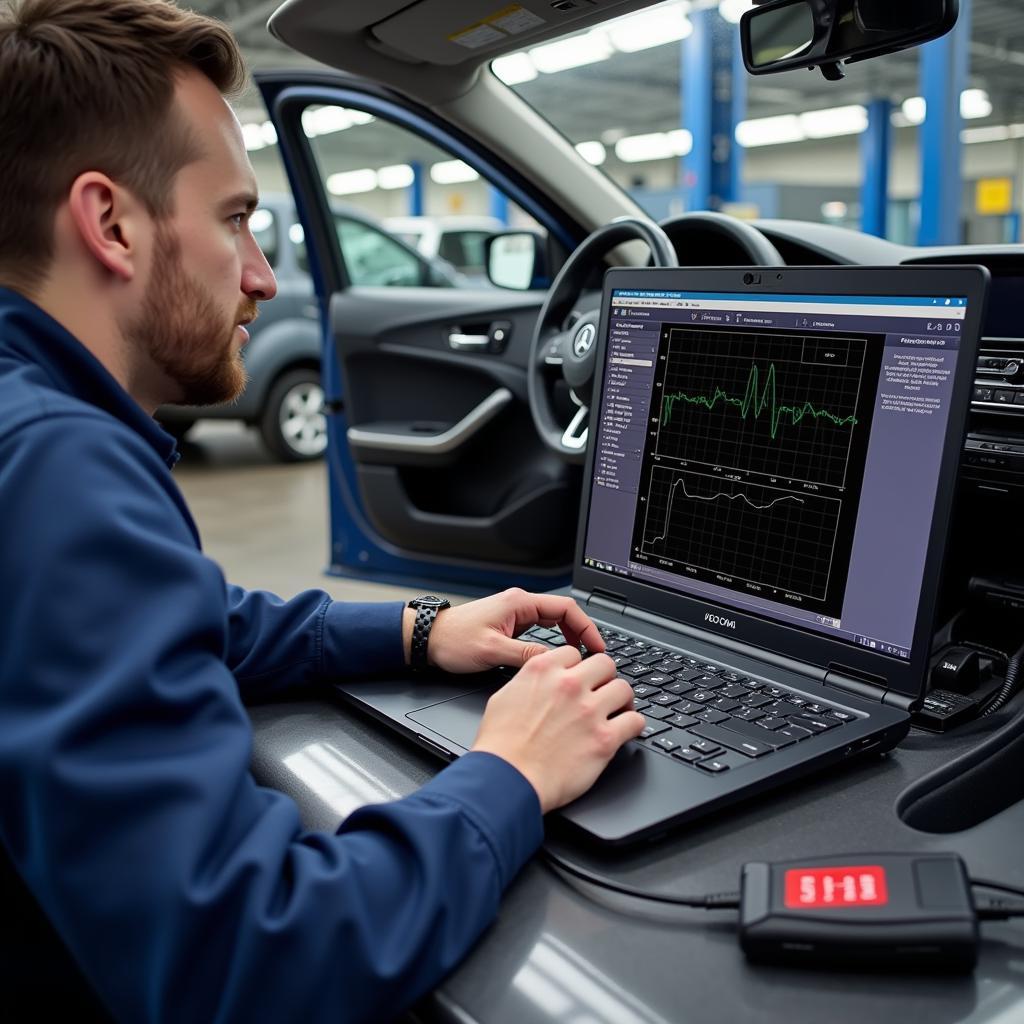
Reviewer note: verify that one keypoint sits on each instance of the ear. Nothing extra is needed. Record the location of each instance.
(109, 222)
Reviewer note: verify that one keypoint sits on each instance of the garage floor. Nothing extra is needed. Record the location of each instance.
(263, 522)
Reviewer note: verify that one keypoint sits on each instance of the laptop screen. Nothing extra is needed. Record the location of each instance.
(776, 454)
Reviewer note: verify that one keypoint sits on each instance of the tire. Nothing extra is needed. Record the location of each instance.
(293, 424)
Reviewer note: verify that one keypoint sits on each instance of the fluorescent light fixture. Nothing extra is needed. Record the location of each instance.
(297, 234)
(260, 220)
(574, 52)
(452, 172)
(638, 32)
(350, 183)
(1017, 131)
(835, 210)
(733, 10)
(769, 131)
(915, 109)
(252, 136)
(325, 121)
(514, 69)
(395, 176)
(269, 133)
(974, 103)
(361, 117)
(656, 146)
(681, 141)
(990, 133)
(593, 152)
(828, 124)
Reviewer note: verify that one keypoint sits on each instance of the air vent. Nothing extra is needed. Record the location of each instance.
(999, 379)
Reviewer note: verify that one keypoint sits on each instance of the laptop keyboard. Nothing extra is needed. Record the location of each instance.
(706, 716)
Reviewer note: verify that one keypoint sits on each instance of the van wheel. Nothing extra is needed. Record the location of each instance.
(294, 423)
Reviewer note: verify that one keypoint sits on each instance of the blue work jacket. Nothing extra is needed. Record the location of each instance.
(182, 890)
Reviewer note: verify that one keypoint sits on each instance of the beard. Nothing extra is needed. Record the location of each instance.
(186, 334)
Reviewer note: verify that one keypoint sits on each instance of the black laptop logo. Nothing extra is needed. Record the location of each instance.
(717, 620)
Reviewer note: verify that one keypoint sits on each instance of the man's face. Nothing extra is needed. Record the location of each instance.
(207, 273)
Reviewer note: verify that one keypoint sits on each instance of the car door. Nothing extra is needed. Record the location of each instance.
(436, 471)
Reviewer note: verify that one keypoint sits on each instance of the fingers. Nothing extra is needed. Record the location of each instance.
(626, 726)
(613, 696)
(596, 671)
(564, 612)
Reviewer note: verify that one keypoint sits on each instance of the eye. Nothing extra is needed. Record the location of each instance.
(238, 219)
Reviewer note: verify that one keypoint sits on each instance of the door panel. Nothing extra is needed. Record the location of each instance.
(436, 469)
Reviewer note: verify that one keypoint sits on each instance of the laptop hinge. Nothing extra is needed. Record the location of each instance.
(866, 685)
(606, 599)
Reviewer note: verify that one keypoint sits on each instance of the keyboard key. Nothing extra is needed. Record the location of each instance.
(665, 742)
(724, 704)
(702, 696)
(665, 700)
(688, 675)
(746, 745)
(632, 651)
(756, 701)
(680, 688)
(712, 670)
(658, 679)
(706, 747)
(633, 670)
(681, 721)
(754, 684)
(772, 723)
(657, 712)
(818, 723)
(797, 702)
(733, 677)
(620, 659)
(692, 662)
(843, 716)
(714, 717)
(640, 705)
(650, 659)
(688, 707)
(643, 691)
(611, 646)
(815, 709)
(714, 766)
(690, 756)
(706, 682)
(773, 691)
(668, 666)
(791, 732)
(754, 732)
(653, 729)
(748, 714)
(734, 692)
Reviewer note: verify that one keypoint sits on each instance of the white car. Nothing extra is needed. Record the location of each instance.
(458, 240)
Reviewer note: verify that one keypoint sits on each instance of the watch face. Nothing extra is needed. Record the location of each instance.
(430, 601)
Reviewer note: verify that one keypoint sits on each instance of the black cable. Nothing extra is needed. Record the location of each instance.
(984, 883)
(994, 908)
(715, 901)
(1009, 687)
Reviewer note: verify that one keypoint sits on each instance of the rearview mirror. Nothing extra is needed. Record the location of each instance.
(516, 259)
(786, 34)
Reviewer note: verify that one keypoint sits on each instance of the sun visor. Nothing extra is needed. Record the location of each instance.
(450, 32)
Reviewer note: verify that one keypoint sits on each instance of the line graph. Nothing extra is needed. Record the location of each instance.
(740, 496)
(759, 402)
(745, 534)
(756, 402)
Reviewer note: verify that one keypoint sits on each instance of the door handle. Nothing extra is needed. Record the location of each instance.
(468, 342)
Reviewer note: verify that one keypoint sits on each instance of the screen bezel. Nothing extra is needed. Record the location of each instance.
(903, 677)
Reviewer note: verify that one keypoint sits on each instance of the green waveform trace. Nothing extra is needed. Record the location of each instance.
(757, 402)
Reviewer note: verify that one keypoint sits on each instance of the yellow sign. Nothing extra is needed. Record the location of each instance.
(994, 196)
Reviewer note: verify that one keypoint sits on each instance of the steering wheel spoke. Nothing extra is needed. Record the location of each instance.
(578, 432)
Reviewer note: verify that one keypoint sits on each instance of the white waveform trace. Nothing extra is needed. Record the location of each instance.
(715, 497)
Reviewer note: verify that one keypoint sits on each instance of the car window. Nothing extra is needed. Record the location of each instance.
(374, 258)
(375, 172)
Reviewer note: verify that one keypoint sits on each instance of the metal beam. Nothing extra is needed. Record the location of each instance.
(875, 154)
(944, 66)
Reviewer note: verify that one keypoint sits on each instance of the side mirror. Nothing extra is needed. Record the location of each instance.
(784, 34)
(516, 259)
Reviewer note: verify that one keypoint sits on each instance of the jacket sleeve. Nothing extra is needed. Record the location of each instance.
(274, 644)
(184, 891)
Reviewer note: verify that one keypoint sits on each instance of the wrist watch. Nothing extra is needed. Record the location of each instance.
(427, 608)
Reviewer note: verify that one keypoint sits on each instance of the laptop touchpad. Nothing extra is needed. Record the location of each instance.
(457, 719)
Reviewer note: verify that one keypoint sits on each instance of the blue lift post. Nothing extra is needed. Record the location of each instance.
(417, 191)
(876, 147)
(944, 67)
(714, 99)
(499, 205)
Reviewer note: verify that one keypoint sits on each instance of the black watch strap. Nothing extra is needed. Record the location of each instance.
(427, 608)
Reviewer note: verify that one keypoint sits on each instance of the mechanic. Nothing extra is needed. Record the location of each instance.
(180, 888)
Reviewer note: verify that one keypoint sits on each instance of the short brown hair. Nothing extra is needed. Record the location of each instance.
(89, 85)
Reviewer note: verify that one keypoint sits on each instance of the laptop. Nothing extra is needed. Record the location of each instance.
(766, 504)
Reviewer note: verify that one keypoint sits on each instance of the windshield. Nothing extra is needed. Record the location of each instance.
(627, 95)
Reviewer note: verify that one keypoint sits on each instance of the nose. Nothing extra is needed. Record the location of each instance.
(258, 281)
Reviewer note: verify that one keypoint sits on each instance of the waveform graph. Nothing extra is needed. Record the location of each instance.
(784, 405)
(776, 540)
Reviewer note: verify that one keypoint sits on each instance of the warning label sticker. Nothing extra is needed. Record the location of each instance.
(509, 21)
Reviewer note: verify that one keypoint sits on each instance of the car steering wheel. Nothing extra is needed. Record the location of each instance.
(740, 235)
(573, 348)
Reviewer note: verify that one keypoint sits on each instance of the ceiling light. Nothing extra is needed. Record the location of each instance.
(572, 53)
(642, 31)
(733, 10)
(260, 220)
(974, 103)
(828, 124)
(681, 141)
(769, 131)
(361, 117)
(252, 136)
(452, 172)
(514, 69)
(915, 109)
(635, 149)
(269, 133)
(396, 176)
(593, 152)
(990, 133)
(350, 183)
(325, 120)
